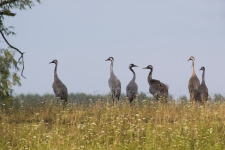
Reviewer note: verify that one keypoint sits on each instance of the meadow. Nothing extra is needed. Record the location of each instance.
(96, 124)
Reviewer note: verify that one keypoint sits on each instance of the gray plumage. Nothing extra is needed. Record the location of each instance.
(157, 88)
(194, 84)
(59, 88)
(114, 82)
(132, 87)
(203, 90)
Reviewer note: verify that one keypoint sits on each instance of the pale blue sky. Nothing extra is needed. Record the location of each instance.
(82, 34)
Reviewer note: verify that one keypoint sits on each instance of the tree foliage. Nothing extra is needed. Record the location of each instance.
(8, 74)
(8, 64)
(6, 7)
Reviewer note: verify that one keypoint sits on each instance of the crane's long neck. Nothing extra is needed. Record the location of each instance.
(203, 76)
(192, 68)
(150, 75)
(111, 69)
(134, 75)
(55, 72)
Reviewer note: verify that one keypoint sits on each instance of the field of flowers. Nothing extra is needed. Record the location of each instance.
(100, 125)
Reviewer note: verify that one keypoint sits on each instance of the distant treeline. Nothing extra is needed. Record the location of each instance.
(36, 100)
(78, 98)
(82, 98)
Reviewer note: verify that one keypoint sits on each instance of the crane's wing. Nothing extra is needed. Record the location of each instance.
(193, 87)
(158, 89)
(193, 84)
(60, 90)
(203, 92)
(115, 86)
(160, 86)
(118, 87)
(131, 89)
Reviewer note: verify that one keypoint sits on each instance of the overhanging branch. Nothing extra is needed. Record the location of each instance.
(21, 53)
(7, 2)
(7, 13)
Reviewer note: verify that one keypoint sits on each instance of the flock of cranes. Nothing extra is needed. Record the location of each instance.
(198, 92)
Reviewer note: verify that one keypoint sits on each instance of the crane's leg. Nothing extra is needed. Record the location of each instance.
(64, 104)
(118, 98)
(157, 98)
(57, 100)
(113, 99)
(192, 97)
(130, 102)
(166, 98)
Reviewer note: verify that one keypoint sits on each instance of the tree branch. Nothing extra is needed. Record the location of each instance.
(21, 53)
(7, 13)
(7, 2)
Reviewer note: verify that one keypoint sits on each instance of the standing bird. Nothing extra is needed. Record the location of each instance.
(58, 87)
(132, 87)
(114, 82)
(193, 84)
(157, 88)
(203, 90)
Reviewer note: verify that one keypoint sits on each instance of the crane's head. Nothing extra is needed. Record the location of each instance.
(132, 65)
(203, 68)
(54, 61)
(191, 58)
(149, 67)
(110, 59)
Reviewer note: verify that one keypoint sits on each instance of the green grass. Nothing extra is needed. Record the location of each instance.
(102, 126)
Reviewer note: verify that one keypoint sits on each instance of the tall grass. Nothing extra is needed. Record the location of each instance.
(99, 125)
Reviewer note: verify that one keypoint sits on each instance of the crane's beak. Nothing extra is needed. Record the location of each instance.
(107, 59)
(189, 59)
(135, 66)
(145, 68)
(51, 62)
